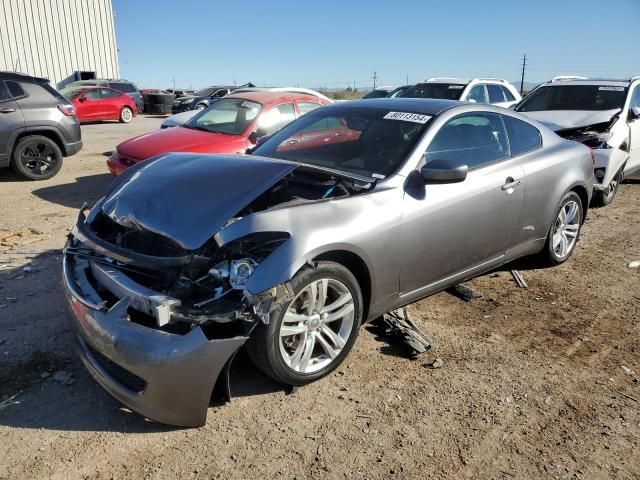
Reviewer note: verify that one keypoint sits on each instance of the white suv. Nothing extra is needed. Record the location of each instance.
(602, 114)
(476, 90)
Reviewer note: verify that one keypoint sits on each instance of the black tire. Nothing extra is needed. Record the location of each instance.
(36, 158)
(159, 98)
(549, 254)
(264, 346)
(602, 198)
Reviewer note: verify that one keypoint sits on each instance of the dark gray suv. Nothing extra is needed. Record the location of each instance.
(38, 126)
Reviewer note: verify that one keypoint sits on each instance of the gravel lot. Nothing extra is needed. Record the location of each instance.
(532, 383)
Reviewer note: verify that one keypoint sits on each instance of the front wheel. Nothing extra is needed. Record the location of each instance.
(311, 335)
(36, 158)
(126, 115)
(565, 230)
(602, 198)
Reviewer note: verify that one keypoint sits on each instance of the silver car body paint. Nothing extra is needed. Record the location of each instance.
(178, 119)
(413, 240)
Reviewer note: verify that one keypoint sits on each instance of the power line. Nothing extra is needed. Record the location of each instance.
(524, 65)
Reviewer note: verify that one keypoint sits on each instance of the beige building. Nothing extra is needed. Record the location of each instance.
(62, 40)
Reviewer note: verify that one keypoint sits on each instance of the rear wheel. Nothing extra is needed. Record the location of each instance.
(565, 230)
(311, 335)
(36, 158)
(602, 198)
(126, 115)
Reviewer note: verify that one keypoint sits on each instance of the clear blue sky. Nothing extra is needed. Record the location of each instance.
(313, 44)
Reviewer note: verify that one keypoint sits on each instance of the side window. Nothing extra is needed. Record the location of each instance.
(93, 94)
(495, 93)
(4, 92)
(108, 93)
(15, 89)
(507, 94)
(522, 135)
(220, 93)
(474, 139)
(276, 118)
(126, 88)
(116, 86)
(328, 123)
(306, 107)
(635, 100)
(477, 94)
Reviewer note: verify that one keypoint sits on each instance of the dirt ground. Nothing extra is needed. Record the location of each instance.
(532, 383)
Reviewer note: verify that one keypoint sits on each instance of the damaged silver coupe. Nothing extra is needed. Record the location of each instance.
(602, 114)
(350, 212)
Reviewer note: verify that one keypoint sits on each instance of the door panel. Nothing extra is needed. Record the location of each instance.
(91, 108)
(11, 120)
(634, 134)
(447, 229)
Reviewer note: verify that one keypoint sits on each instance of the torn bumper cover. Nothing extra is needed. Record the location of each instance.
(164, 376)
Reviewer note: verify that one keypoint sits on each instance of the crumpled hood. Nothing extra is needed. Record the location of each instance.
(188, 197)
(563, 119)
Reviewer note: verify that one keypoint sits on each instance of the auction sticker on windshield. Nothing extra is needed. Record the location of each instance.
(407, 117)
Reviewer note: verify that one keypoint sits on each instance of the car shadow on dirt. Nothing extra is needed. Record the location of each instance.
(85, 189)
(43, 384)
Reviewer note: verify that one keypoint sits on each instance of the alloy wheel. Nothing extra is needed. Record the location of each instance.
(317, 325)
(613, 186)
(39, 158)
(566, 229)
(126, 115)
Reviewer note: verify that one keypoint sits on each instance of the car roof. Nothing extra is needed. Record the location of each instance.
(269, 97)
(426, 106)
(592, 82)
(4, 75)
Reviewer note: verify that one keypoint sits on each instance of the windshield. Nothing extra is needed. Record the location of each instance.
(376, 94)
(574, 97)
(205, 92)
(71, 92)
(230, 116)
(357, 140)
(445, 91)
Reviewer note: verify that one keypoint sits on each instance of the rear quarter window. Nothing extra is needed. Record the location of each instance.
(523, 137)
(495, 93)
(15, 89)
(4, 92)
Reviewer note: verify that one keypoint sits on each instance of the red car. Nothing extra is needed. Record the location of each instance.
(230, 125)
(94, 104)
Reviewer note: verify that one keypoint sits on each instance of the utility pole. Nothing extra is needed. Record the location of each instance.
(524, 64)
(375, 78)
(173, 79)
(407, 79)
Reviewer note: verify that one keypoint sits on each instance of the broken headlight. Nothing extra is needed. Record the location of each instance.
(240, 272)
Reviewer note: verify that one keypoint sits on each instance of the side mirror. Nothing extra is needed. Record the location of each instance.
(253, 137)
(82, 99)
(441, 171)
(635, 113)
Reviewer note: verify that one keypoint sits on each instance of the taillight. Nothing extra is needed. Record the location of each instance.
(593, 157)
(68, 110)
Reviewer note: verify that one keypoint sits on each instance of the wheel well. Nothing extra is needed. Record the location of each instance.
(584, 198)
(43, 133)
(355, 265)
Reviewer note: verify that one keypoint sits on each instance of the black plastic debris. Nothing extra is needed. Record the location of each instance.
(398, 324)
(463, 292)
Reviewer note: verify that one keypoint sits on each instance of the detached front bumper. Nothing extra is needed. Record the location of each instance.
(608, 162)
(165, 377)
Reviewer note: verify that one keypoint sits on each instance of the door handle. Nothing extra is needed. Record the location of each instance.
(510, 183)
(7, 110)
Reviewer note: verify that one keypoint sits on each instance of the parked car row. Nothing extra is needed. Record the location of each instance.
(318, 218)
